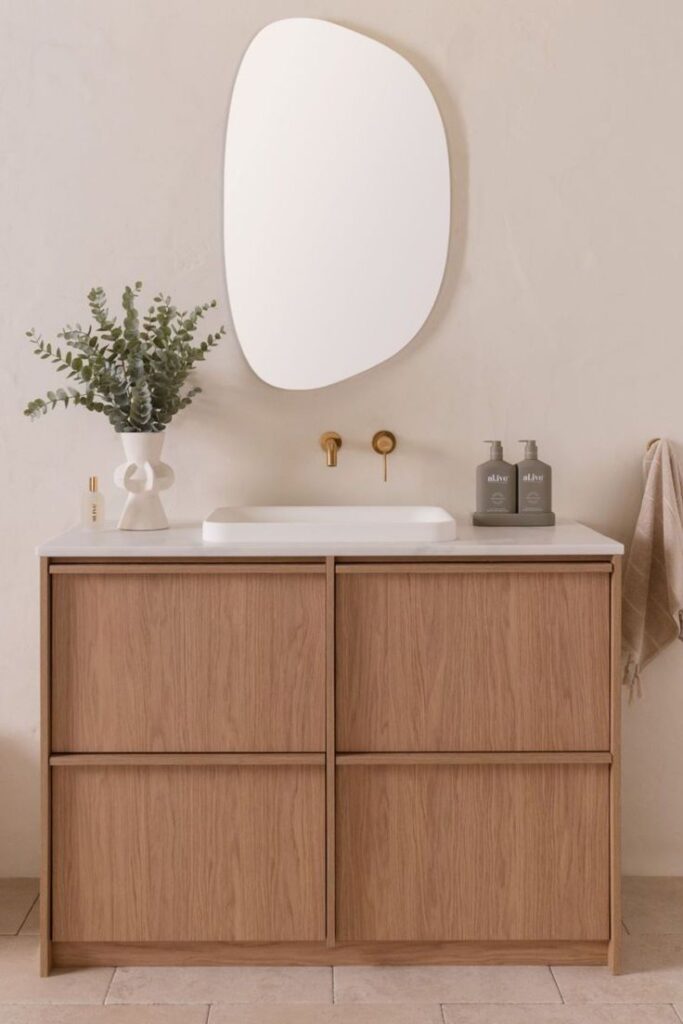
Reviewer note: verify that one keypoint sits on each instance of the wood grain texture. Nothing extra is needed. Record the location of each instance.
(330, 764)
(614, 957)
(554, 559)
(463, 661)
(45, 926)
(473, 853)
(209, 954)
(254, 852)
(188, 854)
(185, 662)
(522, 757)
(182, 760)
(481, 567)
(161, 568)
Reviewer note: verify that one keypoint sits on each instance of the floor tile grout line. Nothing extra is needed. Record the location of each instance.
(675, 1011)
(557, 984)
(443, 1012)
(507, 1002)
(209, 1008)
(334, 993)
(111, 982)
(26, 916)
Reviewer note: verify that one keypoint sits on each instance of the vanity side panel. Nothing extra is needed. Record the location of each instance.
(45, 774)
(474, 853)
(182, 662)
(473, 658)
(188, 854)
(330, 757)
(614, 950)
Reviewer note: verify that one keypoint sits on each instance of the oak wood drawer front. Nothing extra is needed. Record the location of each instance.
(473, 661)
(184, 662)
(188, 854)
(472, 853)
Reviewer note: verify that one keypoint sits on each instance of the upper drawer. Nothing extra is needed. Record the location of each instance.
(219, 660)
(473, 658)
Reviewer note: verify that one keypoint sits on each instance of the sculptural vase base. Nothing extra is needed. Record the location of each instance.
(143, 512)
(143, 475)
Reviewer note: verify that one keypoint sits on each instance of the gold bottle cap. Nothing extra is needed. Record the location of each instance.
(92, 484)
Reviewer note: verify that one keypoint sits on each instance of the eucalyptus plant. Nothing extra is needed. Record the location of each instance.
(135, 372)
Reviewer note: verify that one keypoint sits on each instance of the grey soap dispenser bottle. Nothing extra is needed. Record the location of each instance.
(534, 481)
(496, 483)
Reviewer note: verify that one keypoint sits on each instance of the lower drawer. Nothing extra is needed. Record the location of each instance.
(485, 852)
(201, 853)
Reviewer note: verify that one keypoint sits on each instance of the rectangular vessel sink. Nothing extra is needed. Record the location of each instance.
(333, 523)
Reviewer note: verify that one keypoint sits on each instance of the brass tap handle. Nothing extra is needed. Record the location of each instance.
(384, 443)
(331, 442)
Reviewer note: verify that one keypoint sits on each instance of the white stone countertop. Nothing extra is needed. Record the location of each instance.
(184, 540)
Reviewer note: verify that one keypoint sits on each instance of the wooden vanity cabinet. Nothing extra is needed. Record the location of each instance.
(330, 761)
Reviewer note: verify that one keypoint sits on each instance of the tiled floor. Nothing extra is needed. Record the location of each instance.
(650, 991)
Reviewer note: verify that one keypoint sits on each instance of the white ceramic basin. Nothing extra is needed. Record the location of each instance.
(333, 523)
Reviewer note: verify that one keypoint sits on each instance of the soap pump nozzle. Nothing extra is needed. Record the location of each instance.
(496, 450)
(530, 448)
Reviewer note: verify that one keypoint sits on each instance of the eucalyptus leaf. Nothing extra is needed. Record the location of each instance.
(137, 378)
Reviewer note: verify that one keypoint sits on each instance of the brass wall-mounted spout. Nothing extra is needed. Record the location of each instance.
(331, 442)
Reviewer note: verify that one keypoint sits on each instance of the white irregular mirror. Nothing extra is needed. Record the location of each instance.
(337, 203)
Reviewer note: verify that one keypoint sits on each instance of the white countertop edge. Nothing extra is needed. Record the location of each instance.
(184, 540)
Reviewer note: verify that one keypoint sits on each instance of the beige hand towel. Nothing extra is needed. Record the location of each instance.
(653, 581)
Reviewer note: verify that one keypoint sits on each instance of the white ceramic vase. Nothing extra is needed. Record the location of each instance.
(143, 475)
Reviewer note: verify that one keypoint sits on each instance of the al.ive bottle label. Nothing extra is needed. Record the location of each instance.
(496, 482)
(533, 481)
